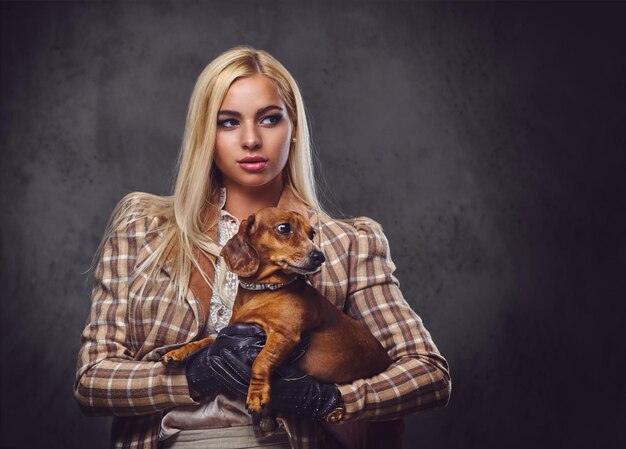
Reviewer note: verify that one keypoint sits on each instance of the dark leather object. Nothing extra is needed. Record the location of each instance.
(238, 339)
(293, 391)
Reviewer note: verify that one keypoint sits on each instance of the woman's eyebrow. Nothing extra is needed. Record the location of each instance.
(268, 108)
(259, 112)
(227, 112)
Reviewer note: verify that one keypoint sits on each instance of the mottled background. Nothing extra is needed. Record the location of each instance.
(487, 138)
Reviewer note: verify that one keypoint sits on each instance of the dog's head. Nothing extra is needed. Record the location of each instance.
(273, 240)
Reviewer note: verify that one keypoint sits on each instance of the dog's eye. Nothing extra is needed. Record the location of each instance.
(311, 234)
(284, 228)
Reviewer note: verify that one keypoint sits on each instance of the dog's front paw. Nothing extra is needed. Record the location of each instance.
(258, 397)
(175, 357)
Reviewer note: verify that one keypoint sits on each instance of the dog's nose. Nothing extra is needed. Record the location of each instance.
(317, 257)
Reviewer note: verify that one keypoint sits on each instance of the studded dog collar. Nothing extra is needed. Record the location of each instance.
(268, 286)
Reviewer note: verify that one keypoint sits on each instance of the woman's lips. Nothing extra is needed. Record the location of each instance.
(252, 164)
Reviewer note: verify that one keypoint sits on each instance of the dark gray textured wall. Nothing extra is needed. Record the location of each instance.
(486, 138)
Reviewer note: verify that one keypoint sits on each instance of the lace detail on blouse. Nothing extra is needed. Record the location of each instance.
(221, 308)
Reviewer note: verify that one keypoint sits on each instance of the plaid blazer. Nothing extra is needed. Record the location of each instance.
(134, 321)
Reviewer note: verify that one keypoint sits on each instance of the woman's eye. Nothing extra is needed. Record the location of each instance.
(284, 228)
(271, 119)
(227, 123)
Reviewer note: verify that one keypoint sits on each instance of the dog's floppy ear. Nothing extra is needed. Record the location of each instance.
(240, 257)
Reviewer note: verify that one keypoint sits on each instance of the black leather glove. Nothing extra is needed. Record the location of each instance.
(293, 391)
(237, 339)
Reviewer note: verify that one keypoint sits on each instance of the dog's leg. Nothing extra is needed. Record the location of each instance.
(180, 355)
(277, 349)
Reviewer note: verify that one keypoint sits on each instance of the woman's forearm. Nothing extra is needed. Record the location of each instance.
(124, 387)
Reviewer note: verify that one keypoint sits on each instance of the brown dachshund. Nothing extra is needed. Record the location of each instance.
(275, 246)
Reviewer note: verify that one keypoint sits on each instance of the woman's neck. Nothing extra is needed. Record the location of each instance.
(243, 201)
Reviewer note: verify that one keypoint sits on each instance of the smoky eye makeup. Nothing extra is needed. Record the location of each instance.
(271, 119)
(267, 116)
(227, 122)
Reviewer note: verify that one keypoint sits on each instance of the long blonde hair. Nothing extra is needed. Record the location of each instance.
(184, 232)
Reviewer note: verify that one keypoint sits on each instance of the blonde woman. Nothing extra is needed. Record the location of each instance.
(159, 282)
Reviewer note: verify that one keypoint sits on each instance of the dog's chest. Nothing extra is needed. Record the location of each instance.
(278, 309)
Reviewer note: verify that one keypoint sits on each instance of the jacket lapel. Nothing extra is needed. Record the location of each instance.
(200, 292)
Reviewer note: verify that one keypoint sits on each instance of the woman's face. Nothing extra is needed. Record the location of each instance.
(253, 133)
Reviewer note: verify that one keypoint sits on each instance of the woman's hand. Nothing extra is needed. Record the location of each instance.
(293, 391)
(237, 339)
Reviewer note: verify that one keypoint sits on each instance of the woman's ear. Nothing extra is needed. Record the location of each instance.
(239, 255)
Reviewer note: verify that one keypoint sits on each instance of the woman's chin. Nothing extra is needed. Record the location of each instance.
(254, 181)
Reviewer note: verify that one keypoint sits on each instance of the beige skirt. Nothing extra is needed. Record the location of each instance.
(241, 437)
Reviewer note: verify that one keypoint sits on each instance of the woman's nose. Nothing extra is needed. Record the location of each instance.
(251, 139)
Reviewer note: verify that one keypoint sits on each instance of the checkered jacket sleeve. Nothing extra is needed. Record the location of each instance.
(109, 380)
(418, 377)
